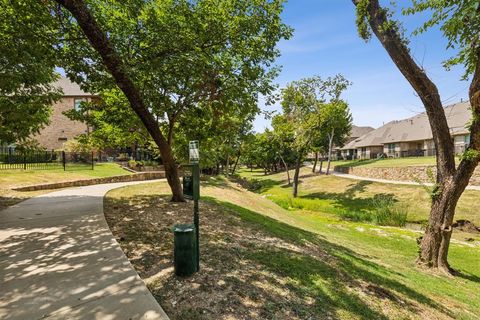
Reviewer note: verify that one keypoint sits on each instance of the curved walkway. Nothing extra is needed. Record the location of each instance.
(59, 260)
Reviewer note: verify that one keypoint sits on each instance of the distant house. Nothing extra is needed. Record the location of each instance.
(61, 128)
(356, 133)
(411, 137)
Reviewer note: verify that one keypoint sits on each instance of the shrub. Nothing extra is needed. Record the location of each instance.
(386, 212)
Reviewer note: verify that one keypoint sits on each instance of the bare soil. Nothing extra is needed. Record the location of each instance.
(246, 271)
(466, 226)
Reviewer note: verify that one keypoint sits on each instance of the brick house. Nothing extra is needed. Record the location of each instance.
(61, 128)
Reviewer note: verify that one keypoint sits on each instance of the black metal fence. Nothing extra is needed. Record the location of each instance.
(44, 160)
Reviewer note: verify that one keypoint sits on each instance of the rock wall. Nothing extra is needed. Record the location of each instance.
(410, 173)
(88, 182)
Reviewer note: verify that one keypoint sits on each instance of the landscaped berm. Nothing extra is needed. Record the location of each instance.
(262, 260)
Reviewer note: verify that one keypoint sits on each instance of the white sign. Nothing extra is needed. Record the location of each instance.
(194, 153)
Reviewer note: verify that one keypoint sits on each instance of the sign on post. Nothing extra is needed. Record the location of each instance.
(194, 154)
(191, 189)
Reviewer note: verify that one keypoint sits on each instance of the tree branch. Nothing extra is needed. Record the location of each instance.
(114, 64)
(421, 83)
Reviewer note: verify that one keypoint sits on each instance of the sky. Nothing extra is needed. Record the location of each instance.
(325, 42)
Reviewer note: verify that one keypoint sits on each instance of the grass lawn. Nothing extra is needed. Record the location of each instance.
(342, 196)
(261, 261)
(387, 163)
(16, 178)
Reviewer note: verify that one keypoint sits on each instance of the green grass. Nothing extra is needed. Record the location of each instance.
(387, 163)
(386, 261)
(330, 267)
(352, 198)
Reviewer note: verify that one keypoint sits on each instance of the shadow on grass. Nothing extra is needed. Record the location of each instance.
(255, 267)
(348, 201)
(326, 272)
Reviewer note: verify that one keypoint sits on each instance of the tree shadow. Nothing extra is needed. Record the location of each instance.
(255, 267)
(348, 200)
(58, 259)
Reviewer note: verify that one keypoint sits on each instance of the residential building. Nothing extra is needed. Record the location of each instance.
(61, 128)
(412, 137)
(356, 133)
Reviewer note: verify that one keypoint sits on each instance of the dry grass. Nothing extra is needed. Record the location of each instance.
(256, 267)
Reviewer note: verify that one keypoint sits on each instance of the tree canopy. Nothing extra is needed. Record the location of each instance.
(170, 58)
(26, 70)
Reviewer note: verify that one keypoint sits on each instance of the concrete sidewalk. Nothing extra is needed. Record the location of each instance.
(59, 260)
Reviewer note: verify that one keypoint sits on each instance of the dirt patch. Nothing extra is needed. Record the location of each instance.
(466, 226)
(251, 267)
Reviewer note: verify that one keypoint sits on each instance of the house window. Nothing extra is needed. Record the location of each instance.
(77, 103)
(391, 147)
(466, 139)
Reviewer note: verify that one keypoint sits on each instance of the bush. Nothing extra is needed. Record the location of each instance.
(386, 212)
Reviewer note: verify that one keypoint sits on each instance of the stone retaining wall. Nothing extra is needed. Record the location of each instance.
(410, 173)
(87, 182)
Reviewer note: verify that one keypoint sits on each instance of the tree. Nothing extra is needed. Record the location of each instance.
(302, 100)
(116, 125)
(459, 20)
(336, 122)
(26, 71)
(283, 142)
(169, 58)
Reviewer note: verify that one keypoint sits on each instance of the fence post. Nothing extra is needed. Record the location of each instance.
(63, 160)
(92, 160)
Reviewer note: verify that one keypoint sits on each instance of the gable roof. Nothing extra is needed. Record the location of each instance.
(70, 88)
(360, 131)
(414, 128)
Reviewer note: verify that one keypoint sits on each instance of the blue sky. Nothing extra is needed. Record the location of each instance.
(325, 43)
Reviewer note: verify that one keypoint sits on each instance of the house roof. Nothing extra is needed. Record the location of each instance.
(360, 131)
(372, 138)
(70, 88)
(414, 128)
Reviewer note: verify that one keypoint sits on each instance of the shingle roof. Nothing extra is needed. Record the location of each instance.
(70, 88)
(414, 128)
(360, 131)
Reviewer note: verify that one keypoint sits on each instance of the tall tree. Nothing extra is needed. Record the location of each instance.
(300, 101)
(459, 20)
(170, 57)
(26, 70)
(328, 127)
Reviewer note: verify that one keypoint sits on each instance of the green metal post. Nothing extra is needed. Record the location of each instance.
(196, 197)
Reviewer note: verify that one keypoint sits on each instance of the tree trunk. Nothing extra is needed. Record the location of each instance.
(100, 42)
(436, 240)
(227, 172)
(235, 165)
(315, 163)
(286, 169)
(330, 146)
(296, 176)
(451, 182)
(321, 165)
